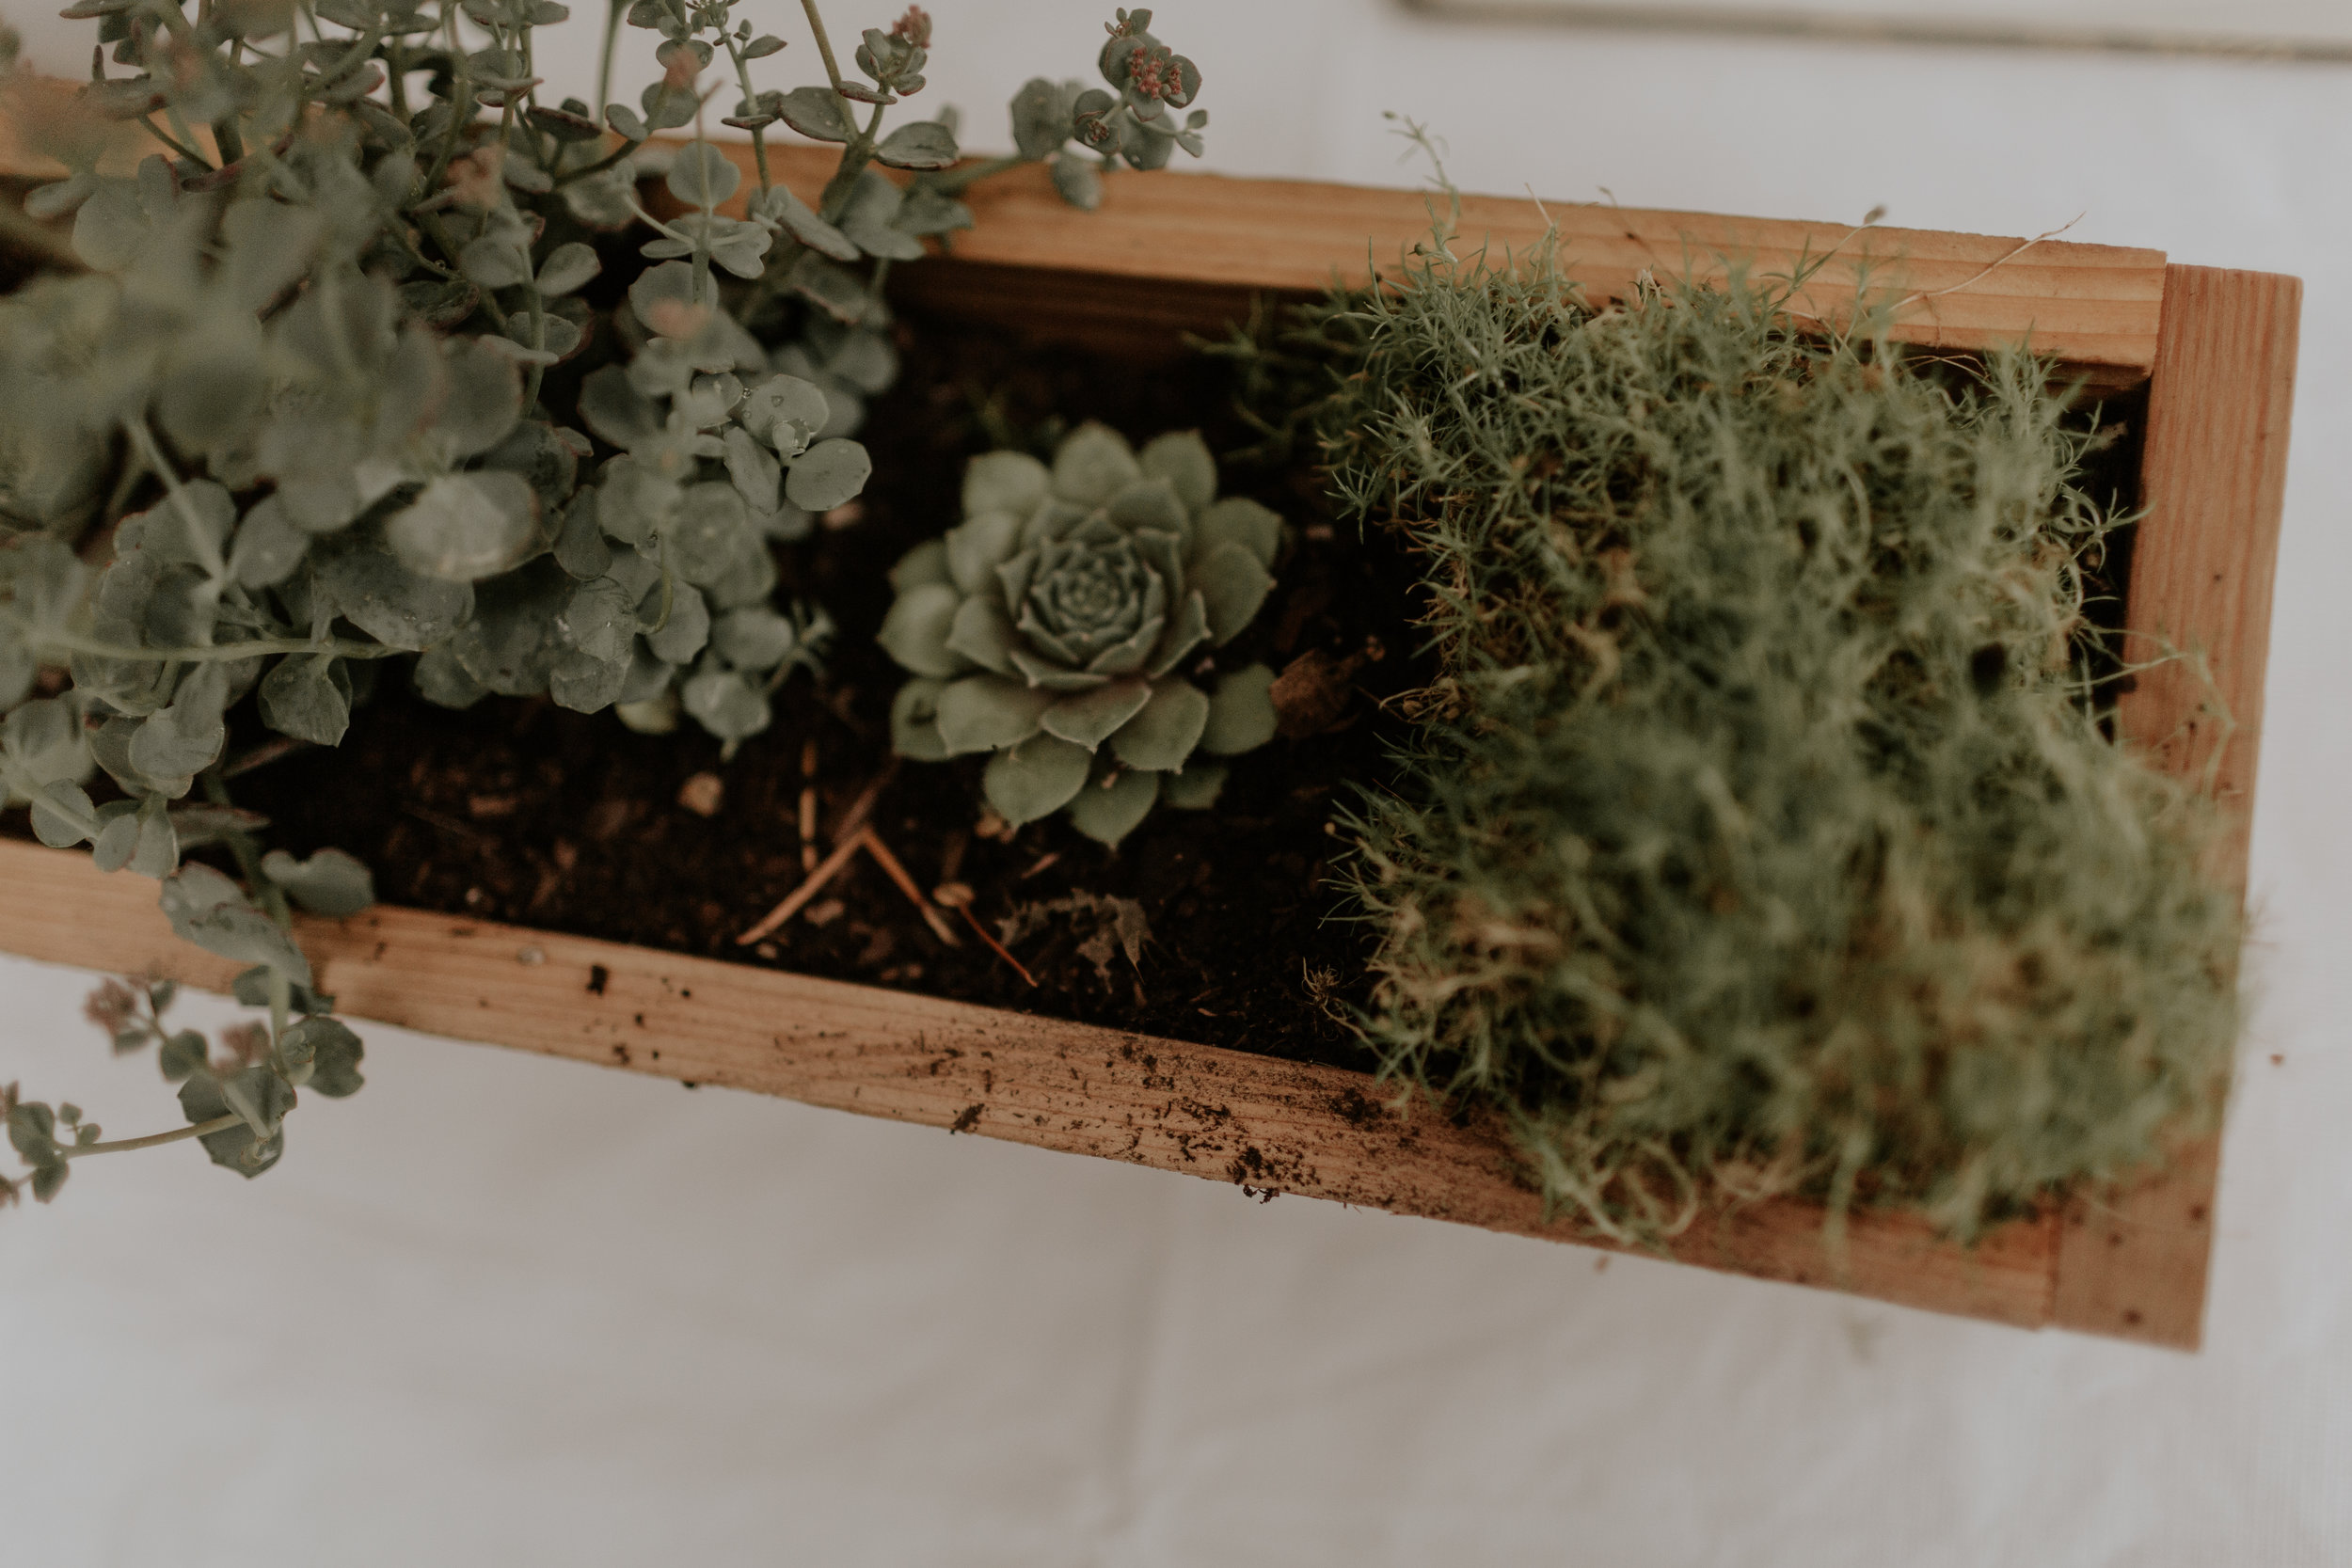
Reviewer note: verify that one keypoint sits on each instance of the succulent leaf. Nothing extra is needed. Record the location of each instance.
(988, 712)
(1241, 714)
(1036, 778)
(1108, 809)
(1165, 731)
(1078, 590)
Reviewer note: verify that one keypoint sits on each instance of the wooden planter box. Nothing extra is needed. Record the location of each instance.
(1171, 253)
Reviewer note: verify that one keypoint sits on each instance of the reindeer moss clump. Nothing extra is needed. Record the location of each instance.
(1758, 834)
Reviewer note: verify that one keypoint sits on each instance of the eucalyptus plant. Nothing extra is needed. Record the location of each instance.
(344, 385)
(1059, 626)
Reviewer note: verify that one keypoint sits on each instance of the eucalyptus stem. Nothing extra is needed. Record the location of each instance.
(824, 48)
(152, 455)
(73, 642)
(183, 148)
(625, 148)
(956, 182)
(750, 100)
(154, 1140)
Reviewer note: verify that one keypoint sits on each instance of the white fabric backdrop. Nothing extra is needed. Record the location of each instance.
(500, 1309)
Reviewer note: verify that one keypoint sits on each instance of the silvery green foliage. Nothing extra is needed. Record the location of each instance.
(236, 1101)
(1060, 626)
(1129, 123)
(309, 361)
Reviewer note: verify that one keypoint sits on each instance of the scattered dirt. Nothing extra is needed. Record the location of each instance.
(520, 810)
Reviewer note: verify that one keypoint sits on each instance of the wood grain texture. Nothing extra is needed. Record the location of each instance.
(1219, 241)
(1283, 1127)
(2212, 479)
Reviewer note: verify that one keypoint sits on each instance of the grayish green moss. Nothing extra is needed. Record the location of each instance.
(1758, 834)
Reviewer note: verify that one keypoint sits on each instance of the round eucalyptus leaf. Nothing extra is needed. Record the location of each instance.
(331, 882)
(753, 639)
(922, 144)
(494, 263)
(268, 547)
(443, 682)
(581, 549)
(205, 1098)
(710, 535)
(665, 299)
(332, 1052)
(156, 853)
(514, 641)
(186, 738)
(796, 218)
(1107, 811)
(725, 703)
(550, 341)
(567, 268)
(1040, 117)
(688, 629)
(612, 407)
(45, 739)
(1078, 179)
(758, 477)
(701, 176)
(368, 587)
(1036, 778)
(209, 909)
(18, 668)
(787, 412)
(816, 112)
(586, 684)
(117, 841)
(465, 527)
(61, 813)
(869, 217)
(600, 620)
(828, 474)
(213, 396)
(307, 696)
(483, 400)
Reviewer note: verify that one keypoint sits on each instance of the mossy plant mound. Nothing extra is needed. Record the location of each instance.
(1759, 833)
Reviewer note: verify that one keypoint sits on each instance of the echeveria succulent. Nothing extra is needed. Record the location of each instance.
(1061, 625)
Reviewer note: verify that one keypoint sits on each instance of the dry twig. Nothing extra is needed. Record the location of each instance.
(799, 896)
(897, 873)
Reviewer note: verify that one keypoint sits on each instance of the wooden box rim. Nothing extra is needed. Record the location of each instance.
(2216, 351)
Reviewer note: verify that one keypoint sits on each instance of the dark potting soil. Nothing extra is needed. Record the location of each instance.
(520, 810)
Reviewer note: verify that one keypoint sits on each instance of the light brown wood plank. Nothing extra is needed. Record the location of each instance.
(1285, 1127)
(2212, 479)
(1221, 239)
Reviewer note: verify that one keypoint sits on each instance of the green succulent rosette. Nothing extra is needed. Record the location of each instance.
(1061, 626)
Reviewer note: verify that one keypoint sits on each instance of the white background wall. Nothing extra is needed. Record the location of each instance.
(502, 1310)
